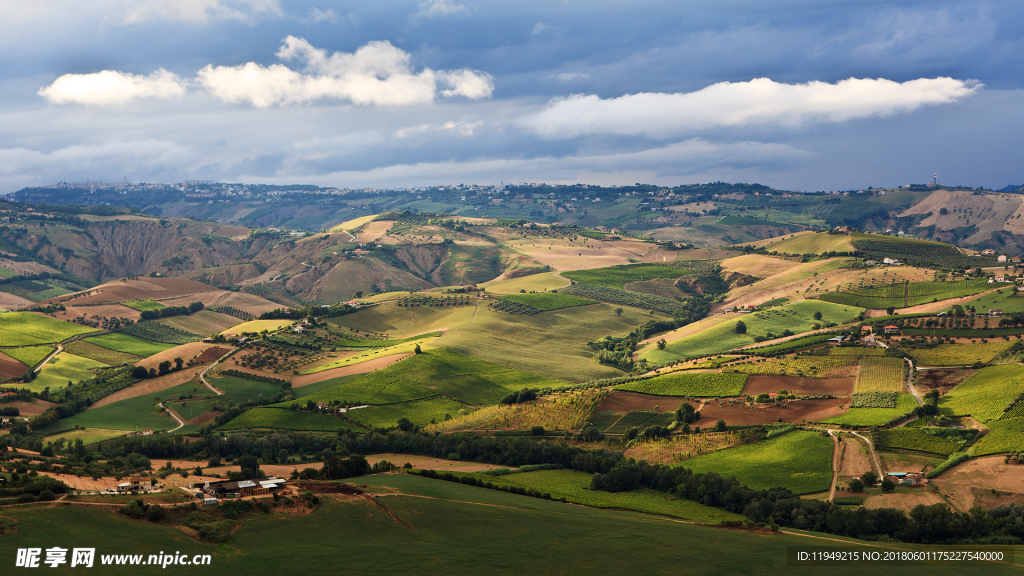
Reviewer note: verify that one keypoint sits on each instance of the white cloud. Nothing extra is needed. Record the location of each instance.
(376, 74)
(539, 27)
(432, 8)
(726, 104)
(570, 76)
(463, 127)
(316, 15)
(110, 87)
(199, 11)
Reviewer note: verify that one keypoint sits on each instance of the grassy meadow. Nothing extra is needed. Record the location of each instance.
(129, 344)
(27, 329)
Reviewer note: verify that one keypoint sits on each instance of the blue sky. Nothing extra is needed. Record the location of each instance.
(797, 94)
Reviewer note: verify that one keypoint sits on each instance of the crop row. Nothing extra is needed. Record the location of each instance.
(546, 301)
(810, 367)
(699, 384)
(906, 294)
(881, 374)
(513, 307)
(620, 298)
(916, 440)
(160, 333)
(959, 354)
(874, 400)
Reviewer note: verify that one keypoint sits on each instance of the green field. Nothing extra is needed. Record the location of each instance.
(880, 374)
(129, 344)
(617, 276)
(797, 317)
(138, 413)
(549, 301)
(574, 487)
(553, 344)
(629, 420)
(1004, 436)
(699, 384)
(791, 345)
(100, 354)
(157, 332)
(985, 395)
(87, 436)
(240, 390)
(905, 295)
(283, 419)
(430, 373)
(800, 461)
(905, 403)
(61, 369)
(914, 439)
(421, 413)
(349, 342)
(451, 528)
(27, 329)
(855, 351)
(29, 355)
(143, 305)
(959, 354)
(1006, 299)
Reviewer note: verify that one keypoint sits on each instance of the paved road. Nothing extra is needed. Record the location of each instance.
(202, 375)
(60, 348)
(173, 415)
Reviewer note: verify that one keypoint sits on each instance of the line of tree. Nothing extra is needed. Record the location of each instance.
(169, 311)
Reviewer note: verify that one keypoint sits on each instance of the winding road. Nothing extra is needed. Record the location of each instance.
(173, 415)
(202, 375)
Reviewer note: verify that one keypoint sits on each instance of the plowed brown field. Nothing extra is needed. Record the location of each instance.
(136, 289)
(186, 352)
(11, 368)
(793, 412)
(762, 384)
(150, 385)
(29, 408)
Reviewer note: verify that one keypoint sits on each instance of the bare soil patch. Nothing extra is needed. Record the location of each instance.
(856, 460)
(792, 412)
(11, 368)
(618, 401)
(211, 354)
(765, 384)
(85, 482)
(186, 352)
(986, 473)
(149, 385)
(246, 302)
(905, 502)
(99, 311)
(361, 368)
(942, 379)
(204, 418)
(12, 302)
(34, 408)
(207, 298)
(372, 231)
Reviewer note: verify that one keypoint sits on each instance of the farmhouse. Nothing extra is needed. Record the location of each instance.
(248, 487)
(988, 252)
(836, 340)
(892, 261)
(134, 484)
(871, 262)
(1002, 258)
(892, 329)
(995, 312)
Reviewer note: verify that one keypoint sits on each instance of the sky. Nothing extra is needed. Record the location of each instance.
(796, 94)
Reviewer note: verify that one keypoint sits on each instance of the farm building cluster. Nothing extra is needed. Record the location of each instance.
(240, 488)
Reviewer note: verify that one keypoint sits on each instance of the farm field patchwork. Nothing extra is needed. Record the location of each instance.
(61, 369)
(807, 366)
(617, 276)
(767, 384)
(797, 317)
(205, 322)
(557, 412)
(689, 384)
(1007, 300)
(87, 436)
(136, 413)
(434, 372)
(985, 395)
(100, 354)
(800, 461)
(420, 413)
(129, 344)
(904, 295)
(959, 354)
(157, 332)
(544, 282)
(257, 326)
(905, 404)
(26, 329)
(630, 419)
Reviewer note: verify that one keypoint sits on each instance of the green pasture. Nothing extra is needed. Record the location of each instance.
(800, 461)
(905, 403)
(549, 301)
(129, 344)
(284, 419)
(144, 305)
(26, 329)
(61, 369)
(29, 355)
(138, 413)
(617, 276)
(420, 412)
(986, 394)
(700, 384)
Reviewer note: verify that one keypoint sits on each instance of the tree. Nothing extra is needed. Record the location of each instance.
(417, 350)
(817, 315)
(888, 485)
(405, 425)
(165, 367)
(661, 344)
(890, 310)
(359, 294)
(856, 485)
(687, 413)
(140, 373)
(537, 430)
(741, 328)
(282, 457)
(178, 363)
(720, 426)
(618, 311)
(250, 466)
(869, 478)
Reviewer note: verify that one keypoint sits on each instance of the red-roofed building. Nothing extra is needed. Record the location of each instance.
(892, 329)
